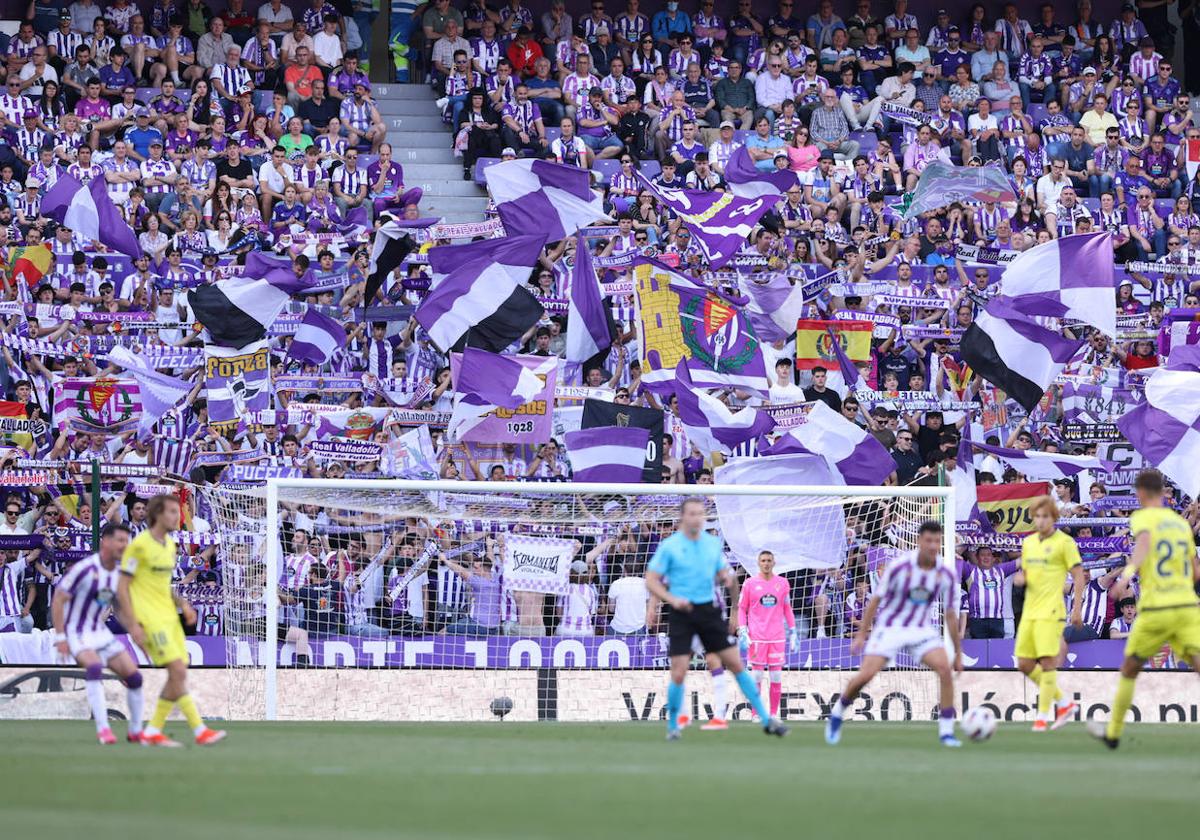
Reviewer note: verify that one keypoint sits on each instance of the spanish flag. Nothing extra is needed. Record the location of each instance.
(11, 408)
(1012, 502)
(31, 263)
(814, 342)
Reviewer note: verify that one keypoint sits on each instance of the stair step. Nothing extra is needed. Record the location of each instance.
(433, 172)
(401, 91)
(402, 107)
(453, 207)
(429, 121)
(444, 186)
(415, 140)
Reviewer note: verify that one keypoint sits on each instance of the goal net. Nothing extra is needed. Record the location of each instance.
(472, 601)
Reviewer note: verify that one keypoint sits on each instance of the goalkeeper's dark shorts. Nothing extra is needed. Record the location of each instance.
(704, 621)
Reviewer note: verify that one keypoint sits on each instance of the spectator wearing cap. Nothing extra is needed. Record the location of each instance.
(829, 129)
(734, 96)
(597, 122)
(1127, 30)
(62, 42)
(158, 175)
(141, 134)
(29, 139)
(214, 45)
(361, 119)
(260, 56)
(634, 130)
(604, 51)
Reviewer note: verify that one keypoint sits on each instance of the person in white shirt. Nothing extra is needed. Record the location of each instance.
(784, 389)
(627, 600)
(327, 45)
(1051, 185)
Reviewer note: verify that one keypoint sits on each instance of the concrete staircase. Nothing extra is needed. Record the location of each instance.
(421, 144)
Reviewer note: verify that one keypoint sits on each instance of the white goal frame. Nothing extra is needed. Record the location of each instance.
(274, 485)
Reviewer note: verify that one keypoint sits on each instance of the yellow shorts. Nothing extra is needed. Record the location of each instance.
(164, 642)
(1178, 627)
(1039, 637)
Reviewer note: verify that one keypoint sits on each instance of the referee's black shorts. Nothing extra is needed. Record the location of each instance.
(703, 620)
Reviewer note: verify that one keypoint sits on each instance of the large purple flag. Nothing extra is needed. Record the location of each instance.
(850, 373)
(711, 421)
(587, 323)
(942, 184)
(1075, 272)
(238, 310)
(748, 181)
(852, 452)
(543, 198)
(89, 211)
(317, 338)
(776, 304)
(1165, 429)
(160, 393)
(486, 382)
(721, 222)
(609, 454)
(1034, 464)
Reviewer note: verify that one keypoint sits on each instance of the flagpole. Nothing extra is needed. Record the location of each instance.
(95, 496)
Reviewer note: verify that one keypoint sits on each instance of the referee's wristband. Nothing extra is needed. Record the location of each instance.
(60, 637)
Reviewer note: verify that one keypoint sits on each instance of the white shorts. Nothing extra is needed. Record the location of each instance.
(102, 642)
(888, 642)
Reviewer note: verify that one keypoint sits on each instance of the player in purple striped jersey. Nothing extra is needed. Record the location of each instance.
(83, 601)
(903, 614)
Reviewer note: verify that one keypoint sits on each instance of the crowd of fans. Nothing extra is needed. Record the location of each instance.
(222, 134)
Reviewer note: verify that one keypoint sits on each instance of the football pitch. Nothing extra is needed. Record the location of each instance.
(325, 780)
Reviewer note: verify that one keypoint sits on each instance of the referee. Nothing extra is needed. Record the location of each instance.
(681, 574)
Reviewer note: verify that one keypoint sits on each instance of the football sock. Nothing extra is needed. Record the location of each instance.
(746, 684)
(1035, 676)
(137, 703)
(946, 722)
(188, 706)
(674, 703)
(161, 710)
(1121, 704)
(95, 696)
(1047, 690)
(776, 690)
(840, 708)
(720, 681)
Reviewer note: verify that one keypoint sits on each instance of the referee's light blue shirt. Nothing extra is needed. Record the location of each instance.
(690, 566)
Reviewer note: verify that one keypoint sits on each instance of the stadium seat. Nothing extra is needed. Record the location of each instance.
(482, 164)
(607, 169)
(1037, 112)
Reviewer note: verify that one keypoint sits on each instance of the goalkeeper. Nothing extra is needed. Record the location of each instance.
(692, 560)
(766, 619)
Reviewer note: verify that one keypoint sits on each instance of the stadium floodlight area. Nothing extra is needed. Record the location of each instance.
(450, 639)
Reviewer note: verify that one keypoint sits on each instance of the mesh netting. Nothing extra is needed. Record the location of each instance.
(529, 603)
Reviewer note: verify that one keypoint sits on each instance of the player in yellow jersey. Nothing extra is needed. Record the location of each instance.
(149, 608)
(1047, 557)
(1164, 559)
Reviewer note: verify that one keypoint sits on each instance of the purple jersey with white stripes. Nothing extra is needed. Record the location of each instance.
(909, 594)
(985, 588)
(12, 587)
(93, 591)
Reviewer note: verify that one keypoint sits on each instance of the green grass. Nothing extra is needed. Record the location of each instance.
(330, 781)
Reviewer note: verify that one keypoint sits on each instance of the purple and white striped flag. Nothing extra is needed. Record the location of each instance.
(486, 382)
(962, 478)
(173, 456)
(90, 211)
(748, 181)
(160, 393)
(1165, 429)
(1074, 271)
(237, 382)
(850, 451)
(609, 454)
(587, 323)
(543, 198)
(721, 222)
(710, 422)
(1034, 464)
(317, 338)
(1007, 348)
(481, 297)
(776, 304)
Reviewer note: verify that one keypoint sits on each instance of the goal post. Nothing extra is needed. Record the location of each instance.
(414, 561)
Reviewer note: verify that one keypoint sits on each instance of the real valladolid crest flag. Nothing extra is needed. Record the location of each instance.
(102, 404)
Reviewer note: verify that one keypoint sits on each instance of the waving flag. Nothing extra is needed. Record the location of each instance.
(851, 375)
(317, 338)
(543, 198)
(159, 392)
(709, 421)
(97, 404)
(238, 310)
(237, 381)
(481, 300)
(1075, 272)
(610, 454)
(721, 222)
(815, 342)
(962, 477)
(942, 184)
(678, 318)
(1008, 349)
(587, 320)
(1034, 464)
(173, 457)
(851, 452)
(486, 382)
(748, 181)
(1191, 158)
(30, 264)
(392, 245)
(1010, 502)
(1165, 429)
(90, 212)
(776, 304)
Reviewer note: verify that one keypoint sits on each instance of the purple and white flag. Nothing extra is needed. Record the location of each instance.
(851, 375)
(721, 222)
(609, 454)
(587, 322)
(487, 382)
(173, 456)
(1165, 429)
(1034, 464)
(238, 382)
(238, 310)
(710, 422)
(748, 181)
(776, 304)
(481, 296)
(160, 393)
(317, 338)
(962, 478)
(543, 198)
(90, 211)
(850, 451)
(1075, 271)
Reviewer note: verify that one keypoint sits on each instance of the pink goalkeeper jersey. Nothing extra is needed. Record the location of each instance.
(765, 608)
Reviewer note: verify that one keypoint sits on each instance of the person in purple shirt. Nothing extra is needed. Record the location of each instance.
(386, 180)
(952, 56)
(985, 583)
(116, 75)
(1159, 165)
(483, 618)
(1159, 92)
